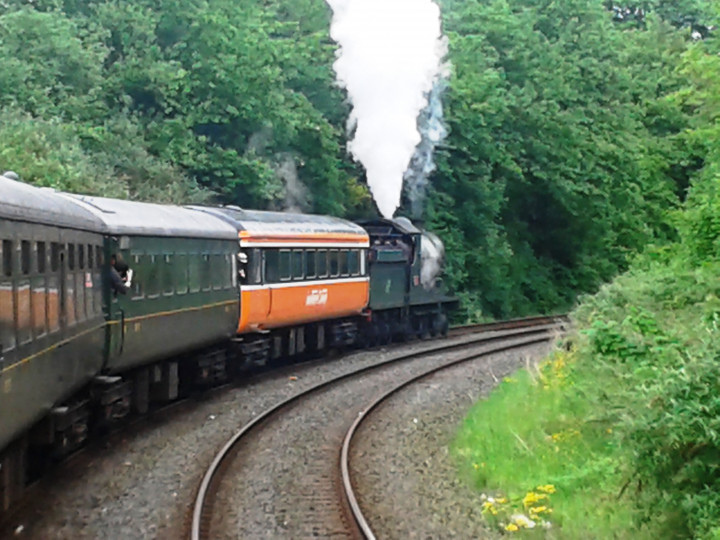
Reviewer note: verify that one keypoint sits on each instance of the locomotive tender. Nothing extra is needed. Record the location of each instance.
(214, 289)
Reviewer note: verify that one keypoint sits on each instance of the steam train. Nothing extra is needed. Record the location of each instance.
(211, 291)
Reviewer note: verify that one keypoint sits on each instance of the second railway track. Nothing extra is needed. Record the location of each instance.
(286, 461)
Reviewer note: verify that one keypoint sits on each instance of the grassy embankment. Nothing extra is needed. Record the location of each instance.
(617, 434)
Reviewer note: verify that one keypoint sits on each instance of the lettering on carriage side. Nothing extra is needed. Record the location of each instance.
(317, 297)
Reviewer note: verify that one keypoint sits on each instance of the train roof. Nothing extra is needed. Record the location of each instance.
(149, 219)
(385, 226)
(23, 202)
(260, 224)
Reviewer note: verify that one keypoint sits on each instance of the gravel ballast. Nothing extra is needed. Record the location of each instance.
(405, 479)
(141, 484)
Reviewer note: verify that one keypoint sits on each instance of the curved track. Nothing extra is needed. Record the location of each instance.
(358, 515)
(330, 509)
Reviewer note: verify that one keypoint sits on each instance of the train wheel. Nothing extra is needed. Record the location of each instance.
(385, 333)
(433, 328)
(370, 336)
(423, 331)
(444, 325)
(12, 473)
(440, 325)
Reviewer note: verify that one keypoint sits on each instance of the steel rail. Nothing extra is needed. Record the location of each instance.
(508, 324)
(200, 516)
(350, 496)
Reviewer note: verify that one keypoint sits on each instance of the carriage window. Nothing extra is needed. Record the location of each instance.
(98, 256)
(205, 273)
(334, 263)
(25, 257)
(54, 257)
(272, 265)
(71, 256)
(138, 282)
(167, 278)
(354, 262)
(91, 257)
(194, 272)
(310, 263)
(297, 264)
(344, 262)
(81, 256)
(285, 265)
(41, 257)
(255, 267)
(322, 263)
(7, 257)
(153, 281)
(181, 271)
(363, 262)
(7, 299)
(227, 262)
(218, 271)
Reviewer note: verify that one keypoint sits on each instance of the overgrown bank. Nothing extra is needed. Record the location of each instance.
(623, 421)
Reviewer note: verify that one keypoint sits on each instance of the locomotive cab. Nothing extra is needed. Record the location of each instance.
(407, 294)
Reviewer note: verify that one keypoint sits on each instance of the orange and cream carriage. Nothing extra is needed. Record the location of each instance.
(303, 279)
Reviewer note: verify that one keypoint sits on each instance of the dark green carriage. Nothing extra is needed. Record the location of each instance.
(404, 301)
(183, 297)
(51, 321)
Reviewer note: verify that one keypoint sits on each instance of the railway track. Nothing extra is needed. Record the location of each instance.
(92, 458)
(307, 435)
(526, 322)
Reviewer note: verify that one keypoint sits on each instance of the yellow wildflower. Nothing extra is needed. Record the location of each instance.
(511, 527)
(501, 500)
(548, 488)
(531, 498)
(489, 506)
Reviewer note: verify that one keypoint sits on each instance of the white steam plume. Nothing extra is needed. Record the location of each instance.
(390, 53)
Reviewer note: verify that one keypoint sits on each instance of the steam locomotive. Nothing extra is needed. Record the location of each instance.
(204, 292)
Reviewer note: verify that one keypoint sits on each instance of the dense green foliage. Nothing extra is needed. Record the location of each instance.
(640, 389)
(178, 95)
(563, 158)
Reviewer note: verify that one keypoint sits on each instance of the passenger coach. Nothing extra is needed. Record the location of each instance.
(51, 320)
(304, 281)
(182, 298)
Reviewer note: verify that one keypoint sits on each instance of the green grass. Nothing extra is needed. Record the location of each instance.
(623, 420)
(536, 429)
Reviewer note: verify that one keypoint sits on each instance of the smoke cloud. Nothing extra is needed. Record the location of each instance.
(432, 255)
(433, 131)
(390, 54)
